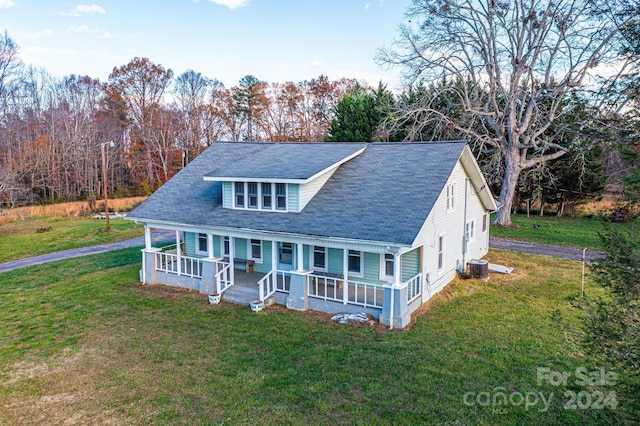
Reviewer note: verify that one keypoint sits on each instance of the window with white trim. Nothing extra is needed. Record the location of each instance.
(252, 195)
(440, 252)
(225, 246)
(485, 222)
(470, 231)
(202, 245)
(451, 196)
(239, 195)
(354, 262)
(267, 200)
(260, 196)
(281, 196)
(320, 258)
(387, 268)
(255, 250)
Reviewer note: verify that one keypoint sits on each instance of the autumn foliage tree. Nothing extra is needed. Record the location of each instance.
(52, 129)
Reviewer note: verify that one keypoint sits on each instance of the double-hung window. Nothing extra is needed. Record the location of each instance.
(354, 262)
(202, 244)
(320, 258)
(281, 196)
(239, 186)
(470, 231)
(252, 195)
(255, 250)
(260, 196)
(225, 246)
(266, 196)
(451, 196)
(440, 252)
(388, 266)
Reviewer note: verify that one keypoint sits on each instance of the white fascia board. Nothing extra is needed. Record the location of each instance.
(477, 179)
(332, 242)
(274, 180)
(337, 164)
(247, 179)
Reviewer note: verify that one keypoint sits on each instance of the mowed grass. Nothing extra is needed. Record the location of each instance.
(38, 235)
(82, 343)
(561, 231)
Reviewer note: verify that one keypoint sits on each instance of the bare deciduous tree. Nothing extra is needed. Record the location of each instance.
(520, 59)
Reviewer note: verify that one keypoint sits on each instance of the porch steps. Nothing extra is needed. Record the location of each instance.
(243, 295)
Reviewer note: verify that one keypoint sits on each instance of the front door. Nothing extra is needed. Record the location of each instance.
(286, 259)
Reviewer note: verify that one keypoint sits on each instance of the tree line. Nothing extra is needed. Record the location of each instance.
(52, 130)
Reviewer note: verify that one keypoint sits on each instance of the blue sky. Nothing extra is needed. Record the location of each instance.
(274, 40)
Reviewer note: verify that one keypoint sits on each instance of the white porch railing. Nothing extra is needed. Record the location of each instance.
(179, 265)
(223, 277)
(365, 294)
(283, 281)
(326, 288)
(357, 293)
(414, 288)
(267, 285)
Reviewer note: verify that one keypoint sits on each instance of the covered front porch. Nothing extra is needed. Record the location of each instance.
(299, 276)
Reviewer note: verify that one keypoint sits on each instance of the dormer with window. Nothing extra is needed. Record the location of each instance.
(281, 179)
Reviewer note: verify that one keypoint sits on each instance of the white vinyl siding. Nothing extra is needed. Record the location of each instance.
(452, 225)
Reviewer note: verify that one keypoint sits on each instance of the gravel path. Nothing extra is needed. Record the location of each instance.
(542, 249)
(157, 237)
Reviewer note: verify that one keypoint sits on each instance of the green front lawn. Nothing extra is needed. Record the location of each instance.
(82, 343)
(34, 236)
(561, 231)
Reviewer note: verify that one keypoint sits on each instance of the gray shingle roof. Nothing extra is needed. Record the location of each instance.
(384, 194)
(286, 161)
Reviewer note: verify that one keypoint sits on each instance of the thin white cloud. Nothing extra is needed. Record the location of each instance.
(367, 6)
(5, 4)
(106, 34)
(231, 4)
(83, 9)
(81, 29)
(312, 64)
(44, 33)
(91, 9)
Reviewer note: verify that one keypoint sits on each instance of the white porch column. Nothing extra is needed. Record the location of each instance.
(209, 245)
(232, 254)
(147, 237)
(178, 252)
(345, 273)
(300, 257)
(274, 254)
(397, 269)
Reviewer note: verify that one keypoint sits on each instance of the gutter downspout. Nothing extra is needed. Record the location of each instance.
(463, 268)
